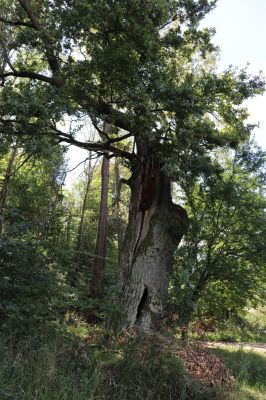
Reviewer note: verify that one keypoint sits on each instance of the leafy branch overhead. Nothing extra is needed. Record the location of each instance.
(145, 69)
(143, 74)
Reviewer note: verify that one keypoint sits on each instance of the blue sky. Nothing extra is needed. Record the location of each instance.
(241, 35)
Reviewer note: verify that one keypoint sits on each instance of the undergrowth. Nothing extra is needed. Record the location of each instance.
(63, 366)
(147, 369)
(252, 328)
(47, 367)
(249, 370)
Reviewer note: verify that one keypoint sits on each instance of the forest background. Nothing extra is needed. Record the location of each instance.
(61, 244)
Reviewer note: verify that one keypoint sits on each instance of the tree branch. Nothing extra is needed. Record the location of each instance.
(97, 147)
(120, 138)
(108, 139)
(58, 82)
(16, 23)
(109, 114)
(23, 162)
(49, 48)
(35, 22)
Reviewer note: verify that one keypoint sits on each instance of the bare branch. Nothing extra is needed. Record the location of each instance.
(100, 131)
(6, 56)
(76, 166)
(110, 140)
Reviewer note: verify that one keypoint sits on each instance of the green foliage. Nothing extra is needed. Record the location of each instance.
(257, 318)
(149, 70)
(233, 330)
(42, 276)
(34, 257)
(249, 369)
(32, 290)
(153, 64)
(220, 268)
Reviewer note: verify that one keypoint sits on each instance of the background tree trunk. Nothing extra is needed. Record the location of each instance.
(101, 241)
(155, 228)
(89, 174)
(190, 306)
(5, 185)
(117, 204)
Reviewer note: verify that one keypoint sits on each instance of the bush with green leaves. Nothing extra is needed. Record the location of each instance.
(32, 289)
(220, 266)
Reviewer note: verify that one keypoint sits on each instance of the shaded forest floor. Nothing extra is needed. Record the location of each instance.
(92, 365)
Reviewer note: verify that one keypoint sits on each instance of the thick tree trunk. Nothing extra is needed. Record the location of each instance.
(155, 228)
(5, 185)
(101, 241)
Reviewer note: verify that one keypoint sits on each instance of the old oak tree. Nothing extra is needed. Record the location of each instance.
(146, 69)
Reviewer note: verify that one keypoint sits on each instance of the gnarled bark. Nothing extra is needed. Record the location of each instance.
(155, 228)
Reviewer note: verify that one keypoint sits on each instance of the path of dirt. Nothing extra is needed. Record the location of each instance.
(261, 347)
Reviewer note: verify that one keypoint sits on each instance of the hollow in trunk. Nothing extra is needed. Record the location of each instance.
(155, 228)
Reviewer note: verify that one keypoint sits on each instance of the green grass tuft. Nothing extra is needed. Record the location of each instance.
(61, 366)
(146, 371)
(47, 368)
(249, 370)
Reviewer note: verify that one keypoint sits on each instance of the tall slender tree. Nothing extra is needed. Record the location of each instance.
(89, 175)
(117, 205)
(101, 241)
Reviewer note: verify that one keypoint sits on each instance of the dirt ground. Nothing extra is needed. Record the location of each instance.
(260, 347)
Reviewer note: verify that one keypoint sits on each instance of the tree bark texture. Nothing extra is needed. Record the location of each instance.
(89, 173)
(155, 228)
(117, 204)
(101, 241)
(5, 185)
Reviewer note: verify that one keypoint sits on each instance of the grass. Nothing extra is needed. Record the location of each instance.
(249, 370)
(231, 333)
(148, 371)
(47, 368)
(63, 366)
